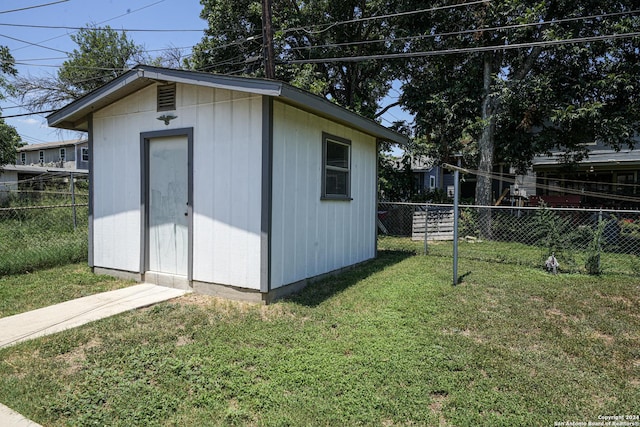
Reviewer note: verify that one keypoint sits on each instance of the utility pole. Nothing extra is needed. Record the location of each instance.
(267, 36)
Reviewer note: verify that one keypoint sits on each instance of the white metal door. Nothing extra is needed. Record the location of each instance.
(168, 223)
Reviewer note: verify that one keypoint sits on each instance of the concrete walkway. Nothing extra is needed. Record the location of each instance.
(70, 314)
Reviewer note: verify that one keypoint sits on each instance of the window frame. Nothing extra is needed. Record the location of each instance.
(432, 182)
(62, 154)
(326, 139)
(41, 157)
(23, 158)
(84, 152)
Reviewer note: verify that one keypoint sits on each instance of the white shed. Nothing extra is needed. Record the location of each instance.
(239, 187)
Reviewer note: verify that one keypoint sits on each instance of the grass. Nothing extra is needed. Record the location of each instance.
(390, 343)
(24, 292)
(32, 239)
(571, 260)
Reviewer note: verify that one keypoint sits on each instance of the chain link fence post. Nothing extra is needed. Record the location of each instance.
(426, 228)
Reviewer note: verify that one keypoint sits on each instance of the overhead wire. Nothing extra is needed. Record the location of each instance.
(101, 22)
(125, 30)
(241, 61)
(391, 15)
(471, 31)
(33, 7)
(595, 194)
(33, 44)
(465, 50)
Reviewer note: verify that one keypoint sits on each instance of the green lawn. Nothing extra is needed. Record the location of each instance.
(390, 343)
(32, 239)
(571, 260)
(24, 292)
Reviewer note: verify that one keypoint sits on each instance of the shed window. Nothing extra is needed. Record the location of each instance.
(23, 158)
(336, 167)
(84, 151)
(63, 154)
(41, 156)
(167, 97)
(432, 182)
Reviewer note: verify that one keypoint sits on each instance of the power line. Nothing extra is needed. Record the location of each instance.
(601, 195)
(391, 15)
(100, 23)
(472, 31)
(35, 113)
(128, 30)
(33, 7)
(33, 44)
(464, 50)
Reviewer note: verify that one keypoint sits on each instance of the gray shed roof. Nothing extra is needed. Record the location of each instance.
(75, 115)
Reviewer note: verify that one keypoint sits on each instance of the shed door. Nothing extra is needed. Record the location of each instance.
(168, 222)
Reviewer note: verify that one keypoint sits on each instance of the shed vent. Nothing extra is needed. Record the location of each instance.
(167, 97)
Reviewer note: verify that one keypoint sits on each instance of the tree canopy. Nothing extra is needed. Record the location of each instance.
(303, 30)
(101, 55)
(9, 138)
(499, 81)
(573, 78)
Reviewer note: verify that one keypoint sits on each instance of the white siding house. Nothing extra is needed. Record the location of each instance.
(238, 187)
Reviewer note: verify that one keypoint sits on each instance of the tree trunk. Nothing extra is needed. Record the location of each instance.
(486, 149)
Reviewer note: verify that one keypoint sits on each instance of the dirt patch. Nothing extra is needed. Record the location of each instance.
(467, 333)
(182, 341)
(198, 300)
(618, 299)
(438, 401)
(74, 359)
(608, 339)
(20, 363)
(554, 313)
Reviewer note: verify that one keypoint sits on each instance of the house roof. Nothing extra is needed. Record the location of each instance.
(47, 145)
(75, 115)
(43, 169)
(596, 157)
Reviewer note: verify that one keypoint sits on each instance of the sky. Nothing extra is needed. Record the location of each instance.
(48, 55)
(40, 51)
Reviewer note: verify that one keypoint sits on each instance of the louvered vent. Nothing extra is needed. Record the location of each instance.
(167, 97)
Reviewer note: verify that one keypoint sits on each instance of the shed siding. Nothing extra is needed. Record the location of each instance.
(116, 184)
(227, 203)
(226, 181)
(312, 236)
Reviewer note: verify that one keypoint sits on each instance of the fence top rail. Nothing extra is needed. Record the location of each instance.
(531, 208)
(20, 208)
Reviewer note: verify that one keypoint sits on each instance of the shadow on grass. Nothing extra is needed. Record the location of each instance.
(318, 292)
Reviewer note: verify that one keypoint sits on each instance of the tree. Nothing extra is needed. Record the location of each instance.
(101, 55)
(303, 31)
(9, 138)
(508, 104)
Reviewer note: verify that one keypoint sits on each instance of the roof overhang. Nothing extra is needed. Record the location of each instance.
(50, 145)
(75, 115)
(44, 169)
(596, 158)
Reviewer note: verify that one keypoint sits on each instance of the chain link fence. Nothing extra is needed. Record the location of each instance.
(44, 227)
(589, 241)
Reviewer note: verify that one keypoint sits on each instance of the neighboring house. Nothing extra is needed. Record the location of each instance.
(62, 154)
(231, 186)
(615, 174)
(36, 163)
(430, 176)
(427, 175)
